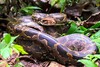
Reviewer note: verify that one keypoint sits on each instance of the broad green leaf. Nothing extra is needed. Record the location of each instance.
(20, 49)
(73, 28)
(62, 4)
(5, 52)
(96, 40)
(3, 44)
(7, 38)
(53, 2)
(87, 63)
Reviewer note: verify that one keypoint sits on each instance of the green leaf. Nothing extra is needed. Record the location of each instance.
(3, 44)
(93, 58)
(73, 28)
(20, 49)
(96, 55)
(80, 31)
(5, 52)
(29, 9)
(32, 8)
(53, 2)
(62, 4)
(7, 38)
(96, 25)
(12, 40)
(83, 28)
(25, 10)
(6, 45)
(97, 1)
(87, 63)
(96, 40)
(96, 35)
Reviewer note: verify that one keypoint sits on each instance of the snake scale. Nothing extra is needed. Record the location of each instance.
(62, 48)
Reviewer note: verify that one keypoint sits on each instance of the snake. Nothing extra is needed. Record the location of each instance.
(64, 49)
(53, 19)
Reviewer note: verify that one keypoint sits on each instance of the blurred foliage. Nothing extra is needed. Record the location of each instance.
(62, 3)
(89, 60)
(29, 10)
(7, 46)
(74, 28)
(98, 3)
(96, 38)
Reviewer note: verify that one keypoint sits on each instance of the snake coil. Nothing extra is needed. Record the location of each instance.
(60, 47)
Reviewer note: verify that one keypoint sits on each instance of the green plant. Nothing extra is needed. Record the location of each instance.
(96, 38)
(63, 3)
(7, 46)
(89, 60)
(60, 3)
(29, 10)
(98, 3)
(74, 28)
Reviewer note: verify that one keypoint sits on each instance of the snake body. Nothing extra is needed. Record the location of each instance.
(59, 47)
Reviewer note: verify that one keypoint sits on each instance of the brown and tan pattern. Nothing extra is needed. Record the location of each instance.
(53, 19)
